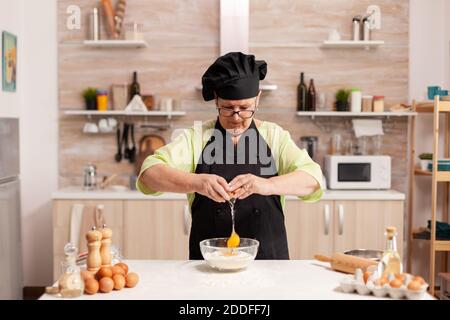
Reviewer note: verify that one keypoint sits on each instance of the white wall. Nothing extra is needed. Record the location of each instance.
(10, 20)
(39, 138)
(35, 104)
(429, 65)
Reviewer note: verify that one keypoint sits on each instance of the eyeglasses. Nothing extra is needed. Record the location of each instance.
(243, 114)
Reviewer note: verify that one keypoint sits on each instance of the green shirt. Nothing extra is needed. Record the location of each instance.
(185, 150)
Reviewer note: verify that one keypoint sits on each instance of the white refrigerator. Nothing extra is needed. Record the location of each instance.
(11, 282)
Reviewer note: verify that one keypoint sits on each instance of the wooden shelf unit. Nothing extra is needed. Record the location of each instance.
(437, 107)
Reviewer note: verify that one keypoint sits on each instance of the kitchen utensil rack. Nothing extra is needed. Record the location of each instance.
(437, 107)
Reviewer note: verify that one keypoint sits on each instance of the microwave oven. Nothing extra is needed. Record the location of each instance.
(358, 172)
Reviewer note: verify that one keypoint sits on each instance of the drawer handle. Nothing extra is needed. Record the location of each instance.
(186, 219)
(341, 214)
(326, 218)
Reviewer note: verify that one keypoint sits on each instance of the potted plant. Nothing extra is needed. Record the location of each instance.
(342, 100)
(90, 98)
(425, 160)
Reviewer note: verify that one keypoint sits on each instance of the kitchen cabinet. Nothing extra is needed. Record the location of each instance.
(62, 209)
(309, 228)
(156, 229)
(329, 226)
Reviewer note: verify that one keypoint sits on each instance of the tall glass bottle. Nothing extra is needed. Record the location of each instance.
(391, 261)
(301, 94)
(135, 88)
(311, 97)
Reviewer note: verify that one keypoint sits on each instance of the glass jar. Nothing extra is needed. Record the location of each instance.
(102, 100)
(133, 31)
(378, 104)
(70, 282)
(367, 103)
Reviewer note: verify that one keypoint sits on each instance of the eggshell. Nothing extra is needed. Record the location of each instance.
(131, 280)
(87, 275)
(414, 285)
(104, 272)
(118, 270)
(418, 278)
(396, 283)
(123, 266)
(366, 276)
(91, 286)
(106, 284)
(119, 281)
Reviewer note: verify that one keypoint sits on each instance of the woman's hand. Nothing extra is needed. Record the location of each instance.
(245, 185)
(212, 186)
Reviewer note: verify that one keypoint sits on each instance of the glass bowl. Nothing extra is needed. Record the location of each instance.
(219, 256)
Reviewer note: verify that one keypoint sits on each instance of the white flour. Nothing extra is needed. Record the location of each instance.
(236, 261)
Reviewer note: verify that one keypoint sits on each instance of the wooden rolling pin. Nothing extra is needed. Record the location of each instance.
(346, 263)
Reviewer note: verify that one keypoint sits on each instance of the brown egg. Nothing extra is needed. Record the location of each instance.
(119, 281)
(106, 284)
(123, 266)
(381, 281)
(91, 286)
(104, 272)
(396, 283)
(401, 277)
(86, 275)
(132, 279)
(414, 286)
(118, 270)
(366, 276)
(418, 278)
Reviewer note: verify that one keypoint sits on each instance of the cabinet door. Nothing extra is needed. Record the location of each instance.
(309, 228)
(156, 229)
(62, 209)
(361, 224)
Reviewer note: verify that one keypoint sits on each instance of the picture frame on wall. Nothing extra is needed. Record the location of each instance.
(9, 61)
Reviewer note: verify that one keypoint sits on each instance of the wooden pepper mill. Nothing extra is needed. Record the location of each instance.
(105, 250)
(94, 259)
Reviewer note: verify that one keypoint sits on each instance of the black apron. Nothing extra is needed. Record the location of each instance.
(257, 217)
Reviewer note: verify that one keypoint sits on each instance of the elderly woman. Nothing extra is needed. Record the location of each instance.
(234, 156)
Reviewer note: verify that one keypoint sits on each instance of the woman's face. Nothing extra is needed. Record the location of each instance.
(230, 119)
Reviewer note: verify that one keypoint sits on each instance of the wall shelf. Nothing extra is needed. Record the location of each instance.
(352, 44)
(313, 114)
(116, 43)
(120, 113)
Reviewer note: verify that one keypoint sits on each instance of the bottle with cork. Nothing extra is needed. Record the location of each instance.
(391, 261)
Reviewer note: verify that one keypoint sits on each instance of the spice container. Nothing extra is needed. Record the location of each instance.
(133, 31)
(378, 103)
(355, 98)
(102, 100)
(356, 28)
(367, 103)
(120, 96)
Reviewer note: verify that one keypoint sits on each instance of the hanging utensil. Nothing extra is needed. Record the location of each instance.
(118, 156)
(133, 145)
(126, 152)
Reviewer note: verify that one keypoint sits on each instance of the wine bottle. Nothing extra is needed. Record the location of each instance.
(135, 88)
(301, 94)
(311, 97)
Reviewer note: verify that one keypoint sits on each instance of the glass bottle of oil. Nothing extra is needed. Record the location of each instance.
(391, 261)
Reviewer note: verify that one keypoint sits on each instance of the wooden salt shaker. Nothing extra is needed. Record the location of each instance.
(94, 259)
(105, 250)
